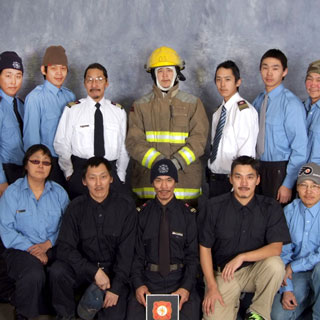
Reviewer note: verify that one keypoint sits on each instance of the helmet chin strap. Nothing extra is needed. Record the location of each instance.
(174, 78)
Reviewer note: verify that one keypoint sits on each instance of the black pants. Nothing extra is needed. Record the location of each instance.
(272, 174)
(6, 283)
(29, 275)
(76, 187)
(56, 174)
(12, 172)
(218, 184)
(64, 281)
(191, 309)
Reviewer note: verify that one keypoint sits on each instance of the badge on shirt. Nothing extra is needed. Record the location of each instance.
(242, 105)
(21, 211)
(179, 234)
(84, 126)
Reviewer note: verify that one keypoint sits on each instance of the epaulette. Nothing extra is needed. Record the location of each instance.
(242, 105)
(70, 104)
(117, 105)
(22, 101)
(142, 207)
(192, 210)
(0, 98)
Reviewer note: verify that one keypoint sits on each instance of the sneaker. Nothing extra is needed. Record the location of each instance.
(253, 316)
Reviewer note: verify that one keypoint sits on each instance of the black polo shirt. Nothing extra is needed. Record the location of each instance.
(229, 228)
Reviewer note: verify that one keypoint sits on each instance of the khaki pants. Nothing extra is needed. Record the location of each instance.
(263, 278)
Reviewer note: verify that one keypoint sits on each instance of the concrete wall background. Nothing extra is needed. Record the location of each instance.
(121, 34)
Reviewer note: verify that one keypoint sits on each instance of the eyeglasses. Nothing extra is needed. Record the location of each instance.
(37, 162)
(97, 79)
(313, 187)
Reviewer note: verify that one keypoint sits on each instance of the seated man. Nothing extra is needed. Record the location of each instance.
(95, 244)
(166, 251)
(301, 284)
(241, 236)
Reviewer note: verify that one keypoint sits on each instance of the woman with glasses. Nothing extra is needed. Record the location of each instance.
(30, 213)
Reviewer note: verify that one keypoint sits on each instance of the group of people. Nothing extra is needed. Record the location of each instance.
(54, 147)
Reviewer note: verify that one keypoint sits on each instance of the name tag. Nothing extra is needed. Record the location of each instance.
(84, 126)
(179, 234)
(21, 211)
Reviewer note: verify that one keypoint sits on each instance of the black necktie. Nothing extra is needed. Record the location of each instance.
(19, 119)
(164, 249)
(98, 132)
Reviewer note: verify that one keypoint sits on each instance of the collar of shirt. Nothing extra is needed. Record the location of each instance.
(9, 99)
(313, 210)
(55, 90)
(310, 106)
(275, 92)
(95, 203)
(238, 206)
(93, 103)
(168, 205)
(228, 105)
(25, 185)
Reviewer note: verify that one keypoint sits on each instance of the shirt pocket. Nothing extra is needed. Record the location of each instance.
(177, 244)
(52, 222)
(179, 115)
(112, 136)
(24, 221)
(84, 136)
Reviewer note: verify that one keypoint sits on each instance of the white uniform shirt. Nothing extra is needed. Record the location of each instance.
(75, 134)
(239, 136)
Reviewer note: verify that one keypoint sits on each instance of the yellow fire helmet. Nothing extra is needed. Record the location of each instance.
(164, 56)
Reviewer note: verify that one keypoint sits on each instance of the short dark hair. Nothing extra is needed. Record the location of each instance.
(95, 162)
(229, 64)
(32, 150)
(277, 54)
(246, 160)
(99, 66)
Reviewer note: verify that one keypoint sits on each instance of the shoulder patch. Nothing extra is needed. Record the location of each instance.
(242, 105)
(192, 210)
(70, 104)
(22, 101)
(142, 207)
(117, 105)
(132, 108)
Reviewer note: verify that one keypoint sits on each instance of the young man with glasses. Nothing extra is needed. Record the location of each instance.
(93, 126)
(301, 284)
(44, 106)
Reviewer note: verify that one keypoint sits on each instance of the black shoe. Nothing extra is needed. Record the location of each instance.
(20, 317)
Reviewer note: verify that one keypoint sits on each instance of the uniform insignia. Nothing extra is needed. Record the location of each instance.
(22, 101)
(162, 310)
(242, 105)
(193, 210)
(139, 209)
(70, 104)
(132, 109)
(117, 105)
(0, 98)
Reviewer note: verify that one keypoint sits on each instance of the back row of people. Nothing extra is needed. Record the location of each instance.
(166, 123)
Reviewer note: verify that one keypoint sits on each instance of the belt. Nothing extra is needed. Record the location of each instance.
(155, 267)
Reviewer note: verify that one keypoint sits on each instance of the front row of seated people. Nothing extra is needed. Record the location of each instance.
(103, 240)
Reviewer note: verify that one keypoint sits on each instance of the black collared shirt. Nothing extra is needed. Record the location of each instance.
(103, 234)
(183, 240)
(230, 228)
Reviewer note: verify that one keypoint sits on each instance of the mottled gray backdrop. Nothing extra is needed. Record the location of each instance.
(121, 34)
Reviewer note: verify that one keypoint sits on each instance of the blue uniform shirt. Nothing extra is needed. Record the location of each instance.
(24, 220)
(11, 147)
(43, 109)
(313, 125)
(304, 251)
(286, 131)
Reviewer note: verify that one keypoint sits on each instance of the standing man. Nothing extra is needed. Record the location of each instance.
(235, 129)
(93, 126)
(95, 245)
(11, 147)
(167, 123)
(241, 236)
(312, 105)
(282, 140)
(44, 106)
(301, 284)
(11, 114)
(166, 251)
